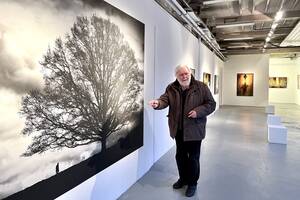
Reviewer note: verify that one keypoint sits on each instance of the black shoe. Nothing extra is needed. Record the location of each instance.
(190, 191)
(179, 184)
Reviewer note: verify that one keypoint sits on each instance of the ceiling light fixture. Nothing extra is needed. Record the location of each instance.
(270, 34)
(275, 23)
(217, 1)
(235, 25)
(241, 38)
(278, 16)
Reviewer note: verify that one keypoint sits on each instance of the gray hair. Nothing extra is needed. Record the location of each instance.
(180, 67)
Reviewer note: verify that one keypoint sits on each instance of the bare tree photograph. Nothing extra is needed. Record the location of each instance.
(91, 89)
(81, 107)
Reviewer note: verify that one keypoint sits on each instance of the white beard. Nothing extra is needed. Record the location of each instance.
(185, 83)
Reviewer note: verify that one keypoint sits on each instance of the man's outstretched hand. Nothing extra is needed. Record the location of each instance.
(153, 103)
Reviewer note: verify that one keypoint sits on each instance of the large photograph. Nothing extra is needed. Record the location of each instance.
(71, 93)
(278, 82)
(245, 84)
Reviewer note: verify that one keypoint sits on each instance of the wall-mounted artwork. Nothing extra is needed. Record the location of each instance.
(216, 84)
(245, 84)
(71, 93)
(298, 82)
(193, 71)
(207, 79)
(278, 82)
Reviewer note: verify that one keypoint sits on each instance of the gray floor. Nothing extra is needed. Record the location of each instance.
(237, 163)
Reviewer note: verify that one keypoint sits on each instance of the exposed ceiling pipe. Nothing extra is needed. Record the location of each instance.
(197, 21)
(281, 5)
(189, 20)
(267, 6)
(295, 3)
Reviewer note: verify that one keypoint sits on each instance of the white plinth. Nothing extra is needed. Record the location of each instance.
(277, 134)
(274, 120)
(270, 109)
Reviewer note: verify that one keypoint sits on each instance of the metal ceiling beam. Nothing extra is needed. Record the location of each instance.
(267, 6)
(246, 7)
(254, 42)
(254, 18)
(252, 5)
(292, 14)
(259, 51)
(258, 33)
(295, 3)
(240, 7)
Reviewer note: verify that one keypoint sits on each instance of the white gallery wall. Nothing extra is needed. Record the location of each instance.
(167, 44)
(210, 63)
(219, 69)
(173, 45)
(284, 67)
(257, 64)
(298, 81)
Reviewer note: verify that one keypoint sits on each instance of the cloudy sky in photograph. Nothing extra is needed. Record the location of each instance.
(27, 29)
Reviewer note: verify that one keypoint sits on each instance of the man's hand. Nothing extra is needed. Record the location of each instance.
(192, 114)
(153, 103)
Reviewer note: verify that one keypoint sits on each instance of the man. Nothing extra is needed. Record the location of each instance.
(189, 101)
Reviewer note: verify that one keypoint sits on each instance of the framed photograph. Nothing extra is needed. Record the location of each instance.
(278, 82)
(207, 79)
(193, 72)
(244, 86)
(216, 84)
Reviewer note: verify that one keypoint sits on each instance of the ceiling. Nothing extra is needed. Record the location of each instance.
(242, 26)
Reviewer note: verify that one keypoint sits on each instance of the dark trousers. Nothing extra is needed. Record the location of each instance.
(187, 158)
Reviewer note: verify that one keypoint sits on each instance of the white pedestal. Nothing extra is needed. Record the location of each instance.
(270, 109)
(277, 134)
(274, 120)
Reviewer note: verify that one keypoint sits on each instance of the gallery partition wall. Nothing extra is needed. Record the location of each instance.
(284, 80)
(245, 80)
(76, 94)
(75, 79)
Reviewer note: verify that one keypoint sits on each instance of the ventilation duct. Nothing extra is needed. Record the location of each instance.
(293, 39)
(191, 19)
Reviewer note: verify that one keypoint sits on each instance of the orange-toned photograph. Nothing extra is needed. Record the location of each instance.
(206, 79)
(278, 82)
(245, 84)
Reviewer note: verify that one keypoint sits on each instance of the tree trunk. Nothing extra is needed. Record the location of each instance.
(103, 144)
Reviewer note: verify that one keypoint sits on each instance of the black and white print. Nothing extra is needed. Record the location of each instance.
(71, 88)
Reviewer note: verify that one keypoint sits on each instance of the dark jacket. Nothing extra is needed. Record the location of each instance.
(198, 98)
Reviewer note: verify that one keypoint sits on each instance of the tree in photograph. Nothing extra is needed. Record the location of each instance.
(92, 89)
